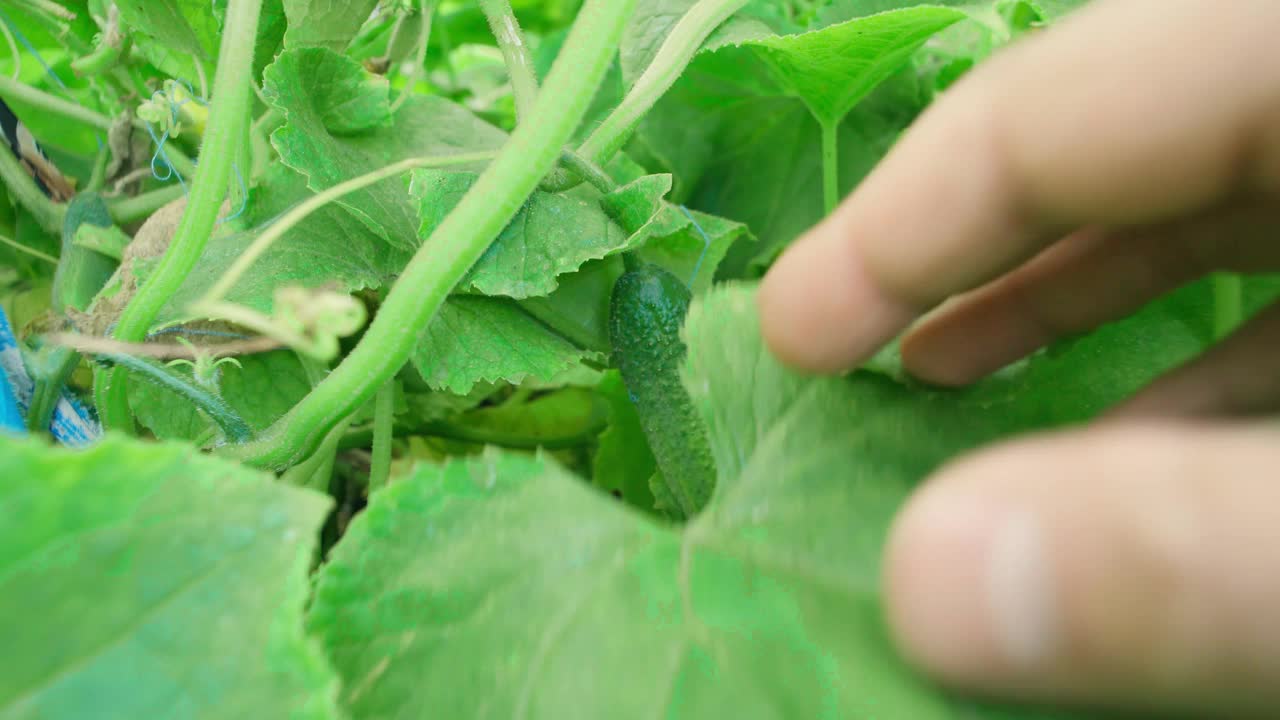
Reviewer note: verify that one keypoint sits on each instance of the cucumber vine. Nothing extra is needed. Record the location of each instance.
(456, 245)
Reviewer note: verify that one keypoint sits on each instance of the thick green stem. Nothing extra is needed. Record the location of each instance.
(384, 419)
(227, 122)
(1228, 304)
(304, 209)
(23, 188)
(673, 57)
(457, 243)
(515, 53)
(830, 166)
(141, 207)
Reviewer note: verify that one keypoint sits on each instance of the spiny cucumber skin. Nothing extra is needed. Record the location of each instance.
(81, 272)
(647, 312)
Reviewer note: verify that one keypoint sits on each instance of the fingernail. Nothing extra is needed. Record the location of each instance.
(970, 587)
(822, 312)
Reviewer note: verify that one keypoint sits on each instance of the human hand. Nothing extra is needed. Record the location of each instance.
(1062, 185)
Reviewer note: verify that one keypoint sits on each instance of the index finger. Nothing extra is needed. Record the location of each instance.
(1132, 112)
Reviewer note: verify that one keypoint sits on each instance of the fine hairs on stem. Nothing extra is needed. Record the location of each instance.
(515, 54)
(456, 244)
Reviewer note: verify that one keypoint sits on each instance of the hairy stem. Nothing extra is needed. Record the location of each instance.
(830, 166)
(515, 53)
(223, 415)
(383, 432)
(457, 243)
(316, 202)
(227, 121)
(1228, 304)
(675, 54)
(23, 188)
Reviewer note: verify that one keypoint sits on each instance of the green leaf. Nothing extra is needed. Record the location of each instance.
(338, 126)
(178, 36)
(326, 23)
(743, 148)
(686, 243)
(331, 248)
(553, 234)
(767, 604)
(272, 24)
(832, 69)
(149, 581)
(766, 171)
(261, 390)
(182, 26)
(478, 339)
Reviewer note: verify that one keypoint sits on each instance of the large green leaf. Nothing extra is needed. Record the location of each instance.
(688, 244)
(146, 581)
(552, 234)
(325, 23)
(182, 26)
(832, 69)
(330, 249)
(339, 126)
(487, 589)
(178, 36)
(476, 339)
(766, 168)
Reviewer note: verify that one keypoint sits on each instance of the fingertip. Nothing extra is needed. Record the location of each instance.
(820, 311)
(968, 584)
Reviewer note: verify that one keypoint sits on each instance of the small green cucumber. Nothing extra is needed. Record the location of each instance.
(647, 312)
(82, 272)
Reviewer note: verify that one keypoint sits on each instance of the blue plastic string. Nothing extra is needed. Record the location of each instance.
(706, 244)
(244, 195)
(160, 156)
